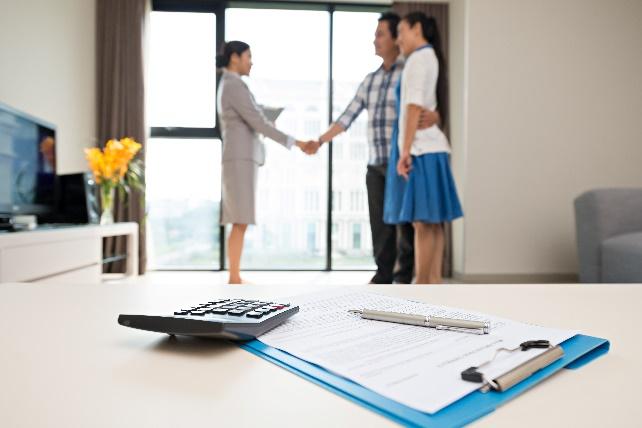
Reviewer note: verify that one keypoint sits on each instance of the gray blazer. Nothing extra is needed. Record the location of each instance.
(242, 120)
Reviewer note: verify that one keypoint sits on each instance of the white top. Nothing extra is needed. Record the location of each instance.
(419, 87)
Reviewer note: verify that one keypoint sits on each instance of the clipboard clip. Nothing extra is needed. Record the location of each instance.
(519, 373)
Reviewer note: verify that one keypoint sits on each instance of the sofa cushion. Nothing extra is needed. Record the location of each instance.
(622, 258)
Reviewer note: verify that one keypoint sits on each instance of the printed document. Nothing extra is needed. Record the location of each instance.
(416, 366)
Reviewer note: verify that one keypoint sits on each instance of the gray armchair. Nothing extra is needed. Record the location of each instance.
(609, 235)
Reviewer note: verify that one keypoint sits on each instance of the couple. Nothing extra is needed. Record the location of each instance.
(418, 186)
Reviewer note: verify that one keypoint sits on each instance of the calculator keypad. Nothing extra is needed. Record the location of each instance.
(234, 307)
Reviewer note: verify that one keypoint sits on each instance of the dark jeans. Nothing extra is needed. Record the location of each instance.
(393, 246)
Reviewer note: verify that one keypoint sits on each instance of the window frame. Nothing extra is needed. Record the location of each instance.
(219, 7)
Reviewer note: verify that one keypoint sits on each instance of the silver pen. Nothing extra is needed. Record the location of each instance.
(453, 324)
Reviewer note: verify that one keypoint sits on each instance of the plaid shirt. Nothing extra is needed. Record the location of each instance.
(377, 95)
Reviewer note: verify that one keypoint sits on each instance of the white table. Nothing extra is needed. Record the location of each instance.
(65, 362)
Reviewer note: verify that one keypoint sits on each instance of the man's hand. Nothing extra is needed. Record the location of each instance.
(428, 118)
(313, 147)
(308, 147)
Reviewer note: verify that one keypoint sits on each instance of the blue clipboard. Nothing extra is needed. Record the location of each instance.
(578, 350)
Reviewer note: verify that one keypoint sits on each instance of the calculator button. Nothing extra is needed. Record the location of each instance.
(181, 312)
(198, 313)
(254, 314)
(236, 312)
(219, 311)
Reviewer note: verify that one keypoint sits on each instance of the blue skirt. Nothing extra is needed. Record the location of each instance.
(429, 195)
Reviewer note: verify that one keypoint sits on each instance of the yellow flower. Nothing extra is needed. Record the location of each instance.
(96, 161)
(111, 163)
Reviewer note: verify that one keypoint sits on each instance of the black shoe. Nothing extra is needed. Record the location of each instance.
(378, 280)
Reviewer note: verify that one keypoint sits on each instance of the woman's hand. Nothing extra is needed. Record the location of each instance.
(404, 165)
(308, 147)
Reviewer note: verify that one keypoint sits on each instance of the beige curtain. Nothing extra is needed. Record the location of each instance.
(439, 11)
(120, 93)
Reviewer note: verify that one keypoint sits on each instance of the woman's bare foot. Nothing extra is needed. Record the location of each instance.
(237, 280)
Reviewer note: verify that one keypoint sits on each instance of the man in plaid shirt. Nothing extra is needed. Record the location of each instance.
(376, 94)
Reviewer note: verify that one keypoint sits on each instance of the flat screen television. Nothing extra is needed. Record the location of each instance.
(27, 163)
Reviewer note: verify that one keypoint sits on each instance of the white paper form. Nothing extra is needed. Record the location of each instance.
(416, 366)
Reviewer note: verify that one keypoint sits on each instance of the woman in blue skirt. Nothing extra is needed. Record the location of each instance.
(419, 184)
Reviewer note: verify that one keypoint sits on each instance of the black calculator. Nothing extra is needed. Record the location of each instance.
(234, 319)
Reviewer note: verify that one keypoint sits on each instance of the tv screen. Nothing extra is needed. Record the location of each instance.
(27, 163)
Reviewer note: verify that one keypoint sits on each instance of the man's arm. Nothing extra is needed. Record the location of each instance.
(351, 112)
(334, 130)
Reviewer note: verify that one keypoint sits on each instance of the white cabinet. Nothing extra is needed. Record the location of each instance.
(66, 254)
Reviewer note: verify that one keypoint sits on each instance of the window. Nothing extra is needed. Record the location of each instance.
(183, 175)
(337, 151)
(183, 206)
(358, 152)
(353, 58)
(182, 82)
(357, 201)
(312, 237)
(356, 236)
(336, 201)
(313, 128)
(292, 72)
(311, 203)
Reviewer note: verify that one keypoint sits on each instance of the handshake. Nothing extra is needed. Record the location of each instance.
(309, 147)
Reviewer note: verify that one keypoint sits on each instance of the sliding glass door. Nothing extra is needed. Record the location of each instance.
(183, 175)
(311, 210)
(290, 56)
(353, 59)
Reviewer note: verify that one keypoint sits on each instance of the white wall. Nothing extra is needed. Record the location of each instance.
(457, 70)
(47, 69)
(553, 107)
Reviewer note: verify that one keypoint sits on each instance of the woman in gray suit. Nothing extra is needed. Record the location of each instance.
(241, 121)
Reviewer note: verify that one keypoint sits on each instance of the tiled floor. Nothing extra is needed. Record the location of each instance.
(256, 277)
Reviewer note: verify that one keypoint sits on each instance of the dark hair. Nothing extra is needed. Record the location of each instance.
(228, 49)
(393, 20)
(431, 34)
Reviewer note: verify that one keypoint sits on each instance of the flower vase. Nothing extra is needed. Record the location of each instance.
(107, 204)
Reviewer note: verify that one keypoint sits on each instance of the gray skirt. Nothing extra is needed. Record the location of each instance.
(238, 192)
